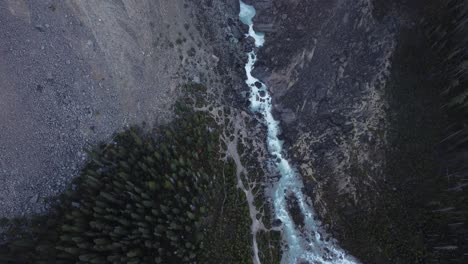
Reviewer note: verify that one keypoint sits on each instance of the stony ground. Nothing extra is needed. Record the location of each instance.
(75, 72)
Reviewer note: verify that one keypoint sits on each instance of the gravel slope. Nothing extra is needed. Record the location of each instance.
(74, 72)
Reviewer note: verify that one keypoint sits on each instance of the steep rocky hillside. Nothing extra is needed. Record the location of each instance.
(75, 72)
(357, 86)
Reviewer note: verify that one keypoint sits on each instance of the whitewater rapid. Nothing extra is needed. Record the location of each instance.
(309, 244)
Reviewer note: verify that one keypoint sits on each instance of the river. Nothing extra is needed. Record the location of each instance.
(310, 244)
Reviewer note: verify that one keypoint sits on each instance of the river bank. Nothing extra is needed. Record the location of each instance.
(171, 44)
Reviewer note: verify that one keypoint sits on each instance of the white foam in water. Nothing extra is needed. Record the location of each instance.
(247, 12)
(299, 247)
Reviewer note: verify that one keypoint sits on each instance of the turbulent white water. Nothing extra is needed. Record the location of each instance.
(309, 244)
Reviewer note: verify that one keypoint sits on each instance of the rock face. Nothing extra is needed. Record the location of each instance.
(75, 72)
(337, 71)
(326, 66)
